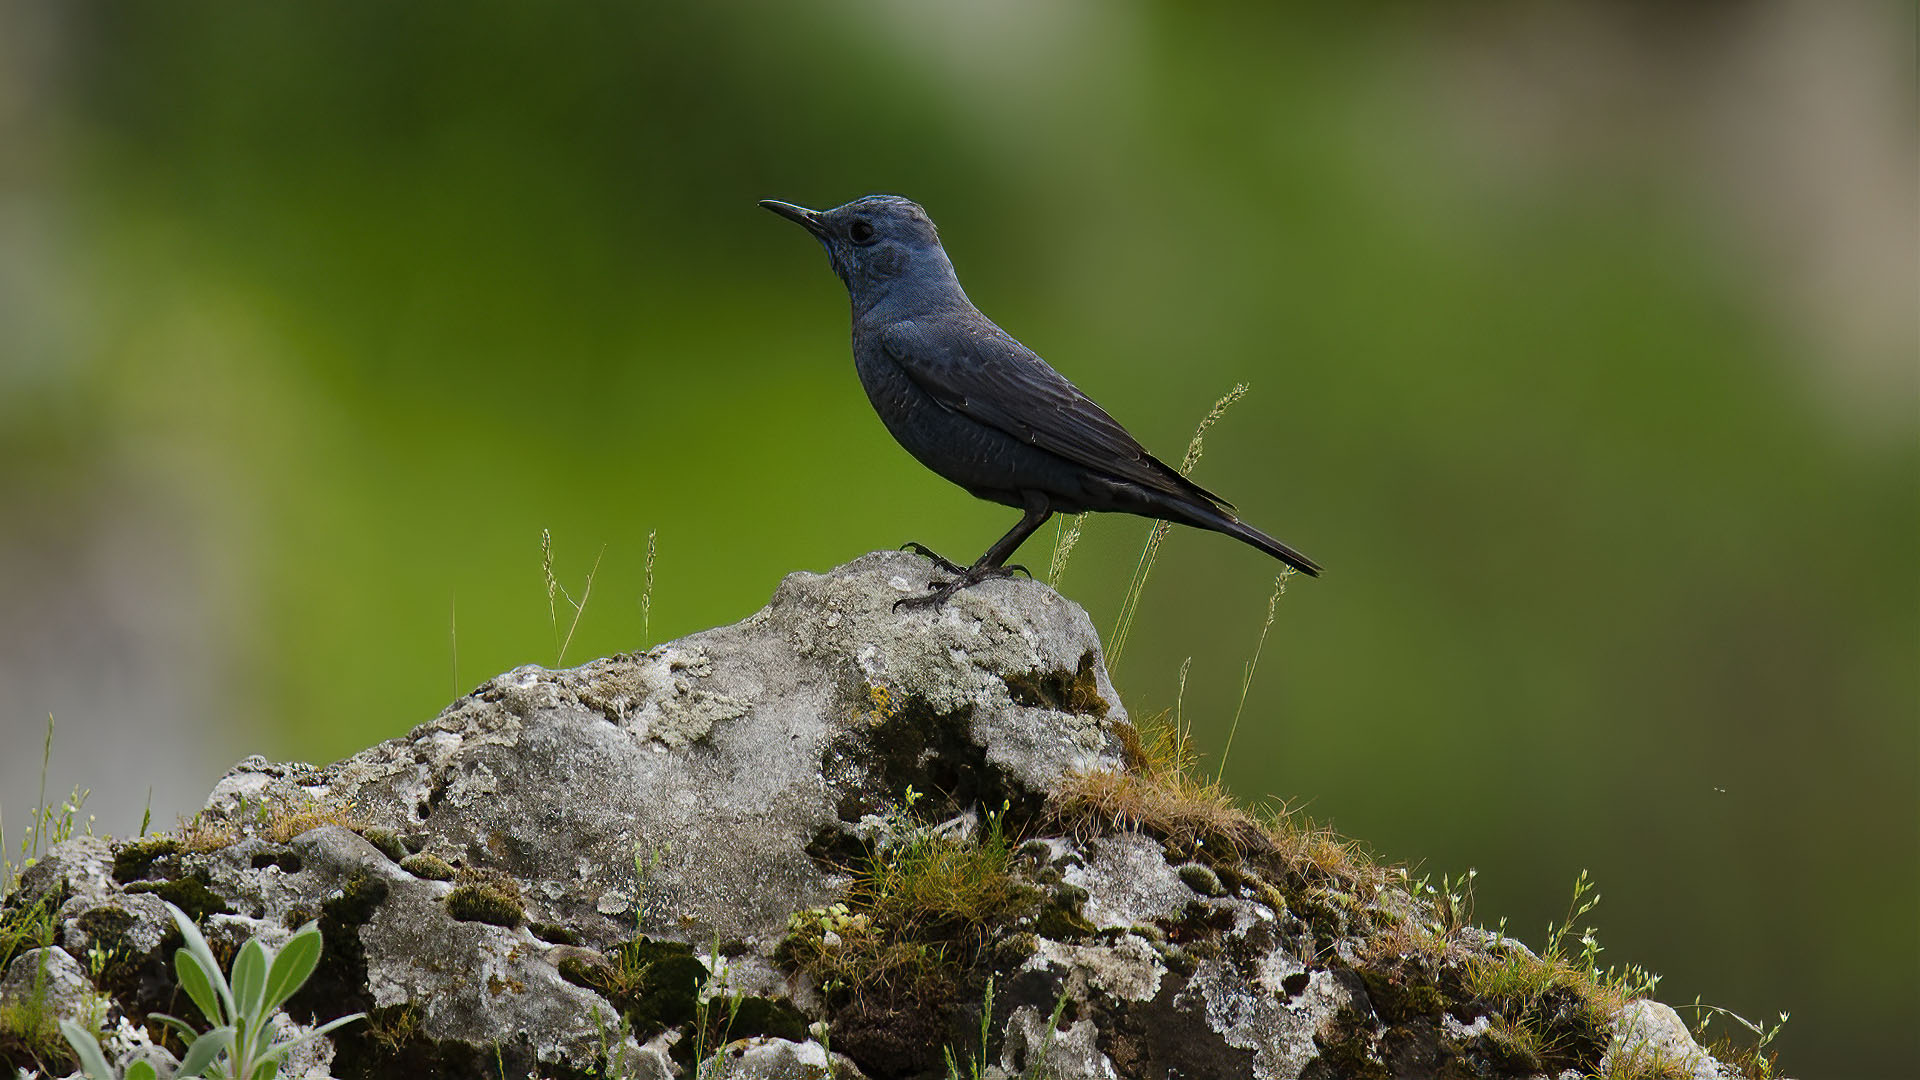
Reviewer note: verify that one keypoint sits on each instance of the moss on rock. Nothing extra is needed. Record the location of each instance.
(430, 867)
(486, 896)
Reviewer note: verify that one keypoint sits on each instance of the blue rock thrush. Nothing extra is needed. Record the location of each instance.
(981, 409)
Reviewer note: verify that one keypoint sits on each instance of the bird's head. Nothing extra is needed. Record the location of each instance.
(881, 245)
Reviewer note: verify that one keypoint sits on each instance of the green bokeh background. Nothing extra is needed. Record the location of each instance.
(1621, 561)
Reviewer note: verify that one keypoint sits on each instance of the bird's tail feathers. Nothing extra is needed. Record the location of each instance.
(1222, 522)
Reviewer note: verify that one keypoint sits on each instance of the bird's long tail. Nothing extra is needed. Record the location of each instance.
(1222, 522)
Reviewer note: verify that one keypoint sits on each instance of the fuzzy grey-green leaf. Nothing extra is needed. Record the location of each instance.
(204, 1050)
(250, 982)
(210, 967)
(293, 965)
(198, 984)
(86, 1047)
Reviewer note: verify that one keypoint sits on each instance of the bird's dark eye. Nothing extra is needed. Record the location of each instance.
(861, 232)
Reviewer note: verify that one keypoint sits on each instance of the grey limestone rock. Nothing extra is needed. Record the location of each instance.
(621, 867)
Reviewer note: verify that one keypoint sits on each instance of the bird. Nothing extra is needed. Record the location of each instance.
(982, 410)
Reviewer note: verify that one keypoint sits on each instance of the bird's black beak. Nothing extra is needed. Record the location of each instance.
(808, 219)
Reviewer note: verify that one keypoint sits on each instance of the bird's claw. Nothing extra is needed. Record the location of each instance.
(935, 557)
(939, 592)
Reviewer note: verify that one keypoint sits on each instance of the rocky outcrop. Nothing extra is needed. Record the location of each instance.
(831, 839)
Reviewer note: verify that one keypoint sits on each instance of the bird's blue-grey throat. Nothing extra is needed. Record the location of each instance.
(981, 409)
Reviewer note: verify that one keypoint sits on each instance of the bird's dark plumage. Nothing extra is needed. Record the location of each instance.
(981, 409)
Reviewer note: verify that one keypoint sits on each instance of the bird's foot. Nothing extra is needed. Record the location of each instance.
(939, 592)
(936, 558)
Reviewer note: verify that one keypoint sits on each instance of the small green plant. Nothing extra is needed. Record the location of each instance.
(707, 1019)
(1451, 907)
(1748, 1057)
(47, 825)
(240, 1045)
(1036, 1067)
(29, 1027)
(643, 870)
(978, 1065)
(32, 925)
(612, 1063)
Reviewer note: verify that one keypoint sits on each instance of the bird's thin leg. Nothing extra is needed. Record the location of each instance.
(989, 565)
(1038, 511)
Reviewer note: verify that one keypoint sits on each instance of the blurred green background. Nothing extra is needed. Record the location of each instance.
(1581, 340)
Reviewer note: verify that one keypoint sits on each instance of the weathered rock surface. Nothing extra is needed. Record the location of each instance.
(601, 870)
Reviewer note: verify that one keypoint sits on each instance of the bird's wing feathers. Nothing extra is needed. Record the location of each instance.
(988, 376)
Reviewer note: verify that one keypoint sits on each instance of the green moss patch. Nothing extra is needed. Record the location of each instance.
(191, 894)
(358, 898)
(430, 867)
(1063, 918)
(553, 933)
(387, 841)
(134, 859)
(486, 896)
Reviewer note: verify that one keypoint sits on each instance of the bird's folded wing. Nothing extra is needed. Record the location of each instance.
(991, 378)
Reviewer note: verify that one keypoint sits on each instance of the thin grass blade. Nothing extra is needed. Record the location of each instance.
(1246, 683)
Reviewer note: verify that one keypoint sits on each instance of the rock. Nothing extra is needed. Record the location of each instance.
(777, 1059)
(831, 838)
(1650, 1038)
(52, 977)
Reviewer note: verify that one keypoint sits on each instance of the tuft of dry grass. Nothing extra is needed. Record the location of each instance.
(286, 821)
(392, 1029)
(1163, 793)
(1160, 793)
(204, 833)
(279, 822)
